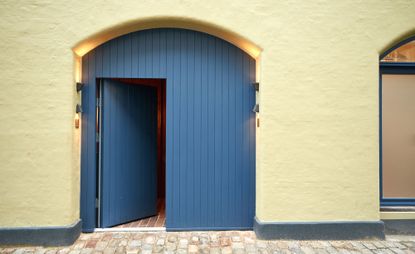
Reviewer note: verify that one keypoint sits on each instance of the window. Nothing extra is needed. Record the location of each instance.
(402, 54)
(397, 125)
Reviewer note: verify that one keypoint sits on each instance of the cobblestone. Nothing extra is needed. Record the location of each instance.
(215, 242)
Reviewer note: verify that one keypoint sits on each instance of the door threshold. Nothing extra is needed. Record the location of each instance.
(136, 229)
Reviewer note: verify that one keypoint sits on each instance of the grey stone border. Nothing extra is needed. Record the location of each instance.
(401, 226)
(336, 230)
(41, 236)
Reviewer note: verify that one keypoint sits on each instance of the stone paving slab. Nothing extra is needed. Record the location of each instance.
(213, 242)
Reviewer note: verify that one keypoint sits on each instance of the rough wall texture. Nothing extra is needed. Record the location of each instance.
(318, 143)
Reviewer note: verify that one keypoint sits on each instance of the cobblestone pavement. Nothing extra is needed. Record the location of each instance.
(215, 242)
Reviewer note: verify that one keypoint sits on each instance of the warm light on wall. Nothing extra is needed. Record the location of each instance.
(77, 120)
(78, 110)
(78, 68)
(257, 120)
(78, 86)
(83, 47)
(95, 40)
(256, 107)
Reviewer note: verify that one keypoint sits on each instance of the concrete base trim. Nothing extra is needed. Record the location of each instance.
(41, 236)
(400, 227)
(336, 230)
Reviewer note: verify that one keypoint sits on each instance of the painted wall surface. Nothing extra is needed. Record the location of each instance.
(317, 157)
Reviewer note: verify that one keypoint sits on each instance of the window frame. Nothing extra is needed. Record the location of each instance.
(391, 68)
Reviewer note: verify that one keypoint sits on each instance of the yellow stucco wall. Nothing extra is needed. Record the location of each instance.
(318, 144)
(397, 215)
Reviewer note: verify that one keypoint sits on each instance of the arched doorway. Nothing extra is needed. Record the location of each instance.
(397, 125)
(209, 128)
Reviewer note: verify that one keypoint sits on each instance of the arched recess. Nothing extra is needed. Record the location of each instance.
(210, 125)
(99, 38)
(396, 124)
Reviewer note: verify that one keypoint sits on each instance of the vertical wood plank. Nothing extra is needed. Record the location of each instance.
(204, 131)
(196, 115)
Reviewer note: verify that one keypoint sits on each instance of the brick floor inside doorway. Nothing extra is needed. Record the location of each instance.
(158, 220)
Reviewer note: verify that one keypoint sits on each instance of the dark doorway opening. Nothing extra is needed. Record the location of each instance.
(107, 193)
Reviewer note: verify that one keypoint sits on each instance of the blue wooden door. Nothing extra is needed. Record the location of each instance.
(210, 126)
(129, 150)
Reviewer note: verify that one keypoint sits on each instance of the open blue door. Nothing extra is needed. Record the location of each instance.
(129, 152)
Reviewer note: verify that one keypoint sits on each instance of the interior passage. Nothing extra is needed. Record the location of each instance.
(158, 220)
